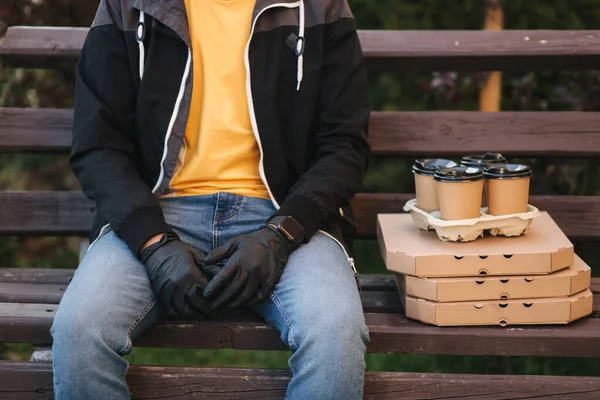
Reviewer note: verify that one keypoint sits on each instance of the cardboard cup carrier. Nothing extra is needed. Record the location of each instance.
(508, 188)
(460, 190)
(427, 197)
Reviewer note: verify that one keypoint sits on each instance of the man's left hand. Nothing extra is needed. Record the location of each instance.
(253, 264)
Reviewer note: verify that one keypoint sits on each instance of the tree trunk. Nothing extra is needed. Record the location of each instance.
(491, 92)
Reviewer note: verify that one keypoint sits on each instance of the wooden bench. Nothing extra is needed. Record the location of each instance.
(29, 297)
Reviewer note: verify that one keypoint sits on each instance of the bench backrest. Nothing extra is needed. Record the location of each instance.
(422, 133)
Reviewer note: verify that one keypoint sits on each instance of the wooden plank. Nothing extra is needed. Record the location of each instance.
(63, 276)
(457, 133)
(414, 133)
(480, 50)
(578, 216)
(70, 213)
(26, 380)
(36, 275)
(45, 130)
(48, 293)
(389, 332)
(46, 213)
(42, 46)
(400, 50)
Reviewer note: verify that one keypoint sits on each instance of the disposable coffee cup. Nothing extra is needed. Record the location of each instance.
(508, 188)
(460, 190)
(483, 161)
(427, 199)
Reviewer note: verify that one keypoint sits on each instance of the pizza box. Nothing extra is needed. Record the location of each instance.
(563, 283)
(561, 310)
(411, 251)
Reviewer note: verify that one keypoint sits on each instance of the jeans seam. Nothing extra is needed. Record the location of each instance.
(283, 313)
(215, 223)
(233, 212)
(136, 322)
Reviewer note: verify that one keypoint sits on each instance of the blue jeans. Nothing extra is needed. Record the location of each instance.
(315, 306)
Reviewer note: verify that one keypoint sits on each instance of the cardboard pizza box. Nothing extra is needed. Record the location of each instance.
(563, 283)
(411, 251)
(501, 312)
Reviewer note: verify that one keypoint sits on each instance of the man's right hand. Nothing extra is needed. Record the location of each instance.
(176, 278)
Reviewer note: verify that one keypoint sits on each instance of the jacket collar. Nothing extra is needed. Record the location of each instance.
(171, 13)
(262, 4)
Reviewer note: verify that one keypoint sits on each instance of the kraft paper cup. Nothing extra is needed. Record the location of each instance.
(508, 188)
(483, 161)
(460, 190)
(427, 198)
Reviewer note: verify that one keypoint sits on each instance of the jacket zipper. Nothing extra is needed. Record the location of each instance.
(161, 176)
(261, 167)
(180, 95)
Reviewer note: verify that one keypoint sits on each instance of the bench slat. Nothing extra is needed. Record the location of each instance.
(400, 50)
(415, 133)
(37, 293)
(36, 275)
(578, 216)
(62, 276)
(70, 213)
(390, 333)
(375, 297)
(25, 380)
(17, 292)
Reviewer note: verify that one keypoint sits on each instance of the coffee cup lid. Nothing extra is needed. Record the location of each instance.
(483, 160)
(428, 166)
(506, 171)
(458, 174)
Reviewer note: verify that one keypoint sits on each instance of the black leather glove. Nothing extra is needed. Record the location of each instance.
(174, 270)
(253, 264)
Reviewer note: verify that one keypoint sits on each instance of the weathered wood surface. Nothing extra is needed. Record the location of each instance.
(415, 133)
(577, 216)
(368, 282)
(390, 331)
(36, 293)
(401, 50)
(70, 213)
(374, 299)
(28, 380)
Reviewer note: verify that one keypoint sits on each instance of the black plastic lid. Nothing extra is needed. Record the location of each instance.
(507, 171)
(428, 166)
(458, 174)
(484, 160)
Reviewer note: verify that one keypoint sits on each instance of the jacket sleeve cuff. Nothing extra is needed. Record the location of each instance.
(305, 212)
(140, 226)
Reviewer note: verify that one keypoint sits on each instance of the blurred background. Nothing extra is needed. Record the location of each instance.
(556, 91)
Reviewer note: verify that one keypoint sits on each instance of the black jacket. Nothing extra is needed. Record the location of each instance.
(310, 127)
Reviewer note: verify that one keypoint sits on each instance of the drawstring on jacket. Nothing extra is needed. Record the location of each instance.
(300, 45)
(140, 34)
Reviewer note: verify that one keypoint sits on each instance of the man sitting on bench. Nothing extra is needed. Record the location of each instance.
(219, 140)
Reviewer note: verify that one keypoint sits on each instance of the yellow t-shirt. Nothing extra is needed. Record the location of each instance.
(220, 152)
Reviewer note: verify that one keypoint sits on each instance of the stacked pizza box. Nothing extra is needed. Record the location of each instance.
(535, 278)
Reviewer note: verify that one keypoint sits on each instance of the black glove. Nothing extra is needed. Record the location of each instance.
(253, 264)
(176, 278)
